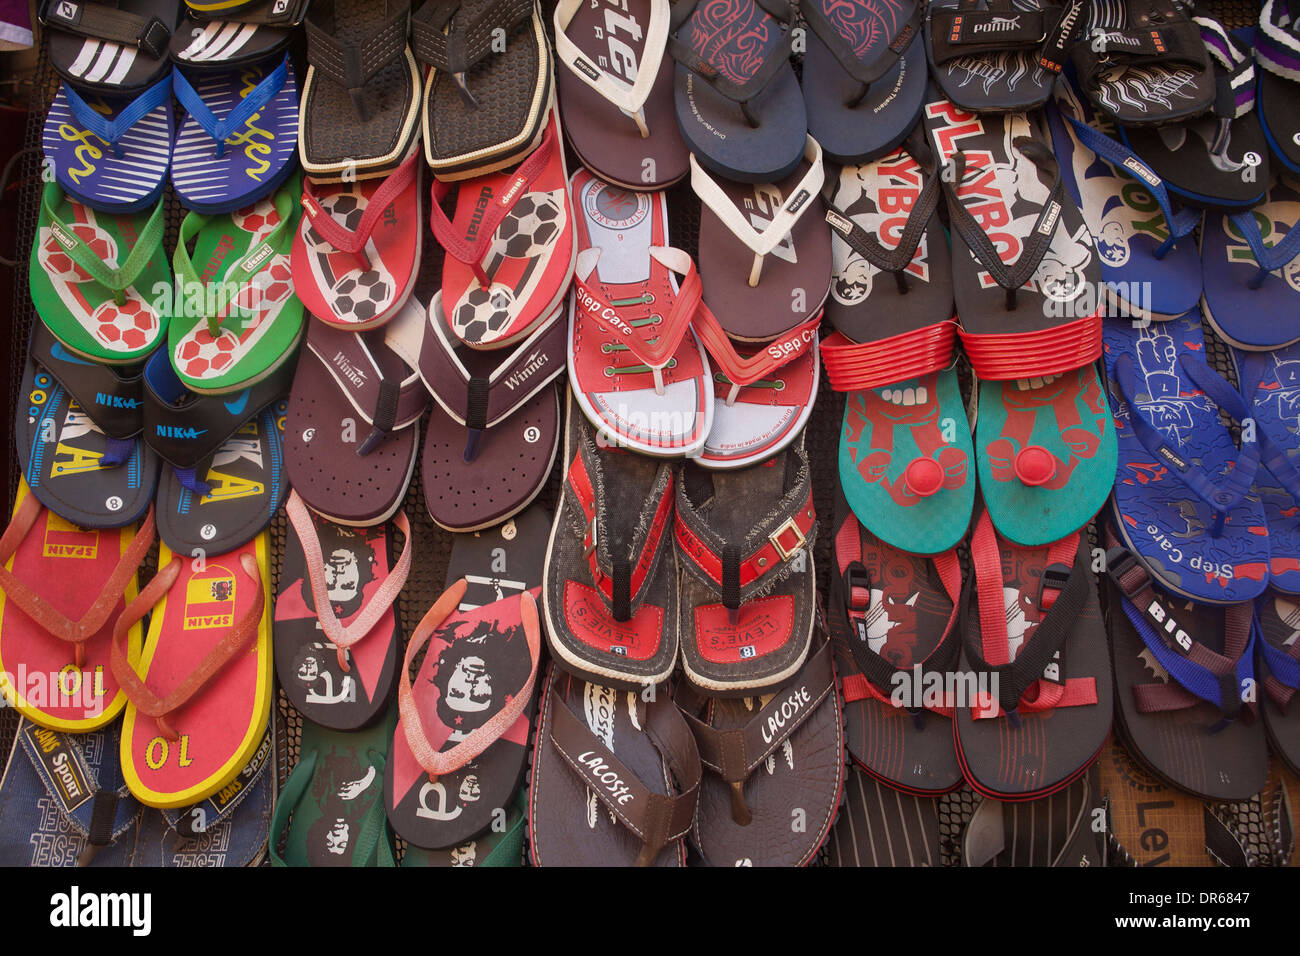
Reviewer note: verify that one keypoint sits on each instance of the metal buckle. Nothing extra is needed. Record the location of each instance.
(775, 538)
(587, 549)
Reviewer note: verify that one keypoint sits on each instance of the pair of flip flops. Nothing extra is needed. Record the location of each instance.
(741, 610)
(63, 803)
(624, 776)
(1001, 680)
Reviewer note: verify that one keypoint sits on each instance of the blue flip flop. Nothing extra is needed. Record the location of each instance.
(239, 138)
(111, 154)
(1148, 255)
(1270, 382)
(1251, 264)
(1183, 501)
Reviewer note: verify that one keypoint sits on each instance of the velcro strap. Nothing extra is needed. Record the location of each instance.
(967, 32)
(98, 21)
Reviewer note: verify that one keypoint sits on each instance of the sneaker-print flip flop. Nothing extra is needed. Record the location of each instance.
(357, 251)
(894, 619)
(1046, 452)
(100, 281)
(1145, 244)
(237, 141)
(337, 639)
(223, 477)
(616, 92)
(53, 669)
(240, 320)
(1033, 623)
(864, 75)
(1183, 500)
(80, 452)
(111, 154)
(219, 39)
(636, 369)
(510, 247)
(199, 697)
(118, 47)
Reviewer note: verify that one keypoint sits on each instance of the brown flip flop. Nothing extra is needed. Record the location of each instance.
(615, 777)
(881, 826)
(776, 769)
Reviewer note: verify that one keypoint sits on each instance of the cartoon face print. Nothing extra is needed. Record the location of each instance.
(1112, 244)
(342, 576)
(338, 837)
(469, 790)
(349, 568)
(469, 688)
(1287, 395)
(888, 613)
(1019, 626)
(1060, 274)
(1166, 408)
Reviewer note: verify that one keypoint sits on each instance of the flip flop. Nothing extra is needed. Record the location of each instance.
(53, 669)
(360, 112)
(501, 845)
(236, 144)
(1046, 453)
(337, 640)
(1219, 159)
(772, 761)
(739, 106)
(510, 248)
(227, 478)
(891, 283)
(1278, 803)
(335, 796)
(1269, 383)
(748, 594)
(615, 777)
(1252, 270)
(100, 281)
(352, 435)
(1002, 58)
(358, 248)
(1277, 51)
(893, 621)
(495, 425)
(611, 595)
(905, 461)
(1034, 653)
(765, 251)
(488, 92)
(230, 828)
(460, 748)
(616, 92)
(864, 75)
(1183, 502)
(82, 457)
(637, 373)
(111, 154)
(63, 801)
(1182, 673)
(1060, 830)
(1278, 667)
(1145, 248)
(109, 48)
(1153, 824)
(209, 652)
(880, 826)
(1024, 269)
(1143, 62)
(761, 400)
(219, 39)
(241, 319)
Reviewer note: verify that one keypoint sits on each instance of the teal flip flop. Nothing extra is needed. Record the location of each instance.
(905, 462)
(1047, 454)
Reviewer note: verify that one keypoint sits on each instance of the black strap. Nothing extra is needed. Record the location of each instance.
(103, 811)
(469, 40)
(731, 577)
(967, 30)
(476, 402)
(384, 416)
(112, 396)
(98, 21)
(352, 65)
(1039, 240)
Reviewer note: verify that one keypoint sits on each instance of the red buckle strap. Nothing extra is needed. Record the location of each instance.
(1008, 356)
(472, 253)
(580, 482)
(782, 544)
(776, 354)
(856, 366)
(352, 241)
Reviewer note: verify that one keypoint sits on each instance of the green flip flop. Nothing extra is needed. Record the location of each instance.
(905, 462)
(237, 319)
(335, 795)
(1047, 454)
(99, 280)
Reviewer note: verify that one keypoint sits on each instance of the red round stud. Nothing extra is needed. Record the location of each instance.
(923, 477)
(1034, 465)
